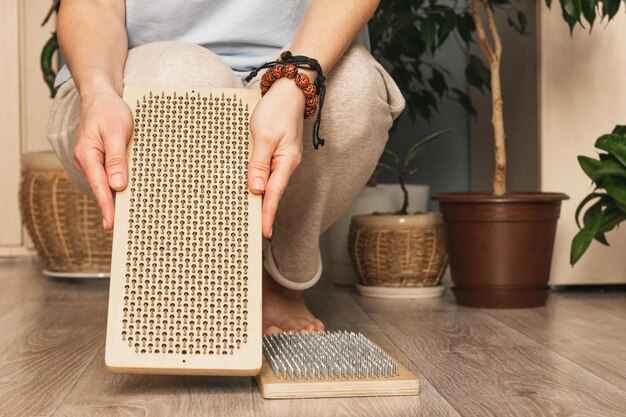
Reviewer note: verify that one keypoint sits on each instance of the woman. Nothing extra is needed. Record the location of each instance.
(108, 44)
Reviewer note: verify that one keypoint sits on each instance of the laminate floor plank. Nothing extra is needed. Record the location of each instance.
(485, 368)
(22, 281)
(45, 347)
(100, 393)
(609, 302)
(568, 327)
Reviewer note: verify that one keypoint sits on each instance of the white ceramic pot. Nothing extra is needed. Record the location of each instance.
(384, 198)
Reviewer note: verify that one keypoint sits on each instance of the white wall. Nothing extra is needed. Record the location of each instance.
(10, 229)
(582, 96)
(24, 107)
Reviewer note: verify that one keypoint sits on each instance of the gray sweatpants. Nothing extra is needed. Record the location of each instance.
(361, 103)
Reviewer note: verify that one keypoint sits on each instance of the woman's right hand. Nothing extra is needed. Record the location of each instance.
(106, 124)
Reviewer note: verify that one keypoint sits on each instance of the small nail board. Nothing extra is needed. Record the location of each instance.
(330, 364)
(185, 290)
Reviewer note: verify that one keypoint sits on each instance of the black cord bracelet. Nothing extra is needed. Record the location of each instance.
(302, 62)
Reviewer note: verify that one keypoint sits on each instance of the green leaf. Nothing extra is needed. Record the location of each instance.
(582, 205)
(520, 24)
(477, 73)
(614, 144)
(572, 8)
(612, 217)
(385, 167)
(615, 187)
(392, 155)
(438, 82)
(465, 26)
(592, 213)
(610, 8)
(571, 21)
(610, 167)
(601, 238)
(428, 32)
(419, 145)
(583, 239)
(619, 130)
(464, 100)
(589, 11)
(605, 156)
(449, 24)
(523, 22)
(589, 165)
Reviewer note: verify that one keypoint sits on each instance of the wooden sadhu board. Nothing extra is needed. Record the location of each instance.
(273, 386)
(185, 290)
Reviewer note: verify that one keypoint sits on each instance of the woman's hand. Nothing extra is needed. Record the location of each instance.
(276, 128)
(105, 127)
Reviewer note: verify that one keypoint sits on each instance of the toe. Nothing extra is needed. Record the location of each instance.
(271, 329)
(319, 325)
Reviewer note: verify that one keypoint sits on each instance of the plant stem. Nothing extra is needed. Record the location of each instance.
(493, 55)
(405, 204)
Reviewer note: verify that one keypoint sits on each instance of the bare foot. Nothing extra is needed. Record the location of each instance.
(284, 310)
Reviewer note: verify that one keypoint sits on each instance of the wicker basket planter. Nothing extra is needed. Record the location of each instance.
(398, 251)
(64, 224)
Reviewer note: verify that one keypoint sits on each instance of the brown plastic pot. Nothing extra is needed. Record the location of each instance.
(500, 248)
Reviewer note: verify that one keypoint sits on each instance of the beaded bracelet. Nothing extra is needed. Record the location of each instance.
(287, 66)
(302, 81)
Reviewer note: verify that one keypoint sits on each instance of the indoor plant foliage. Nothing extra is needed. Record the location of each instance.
(404, 167)
(399, 250)
(608, 173)
(585, 12)
(501, 243)
(406, 34)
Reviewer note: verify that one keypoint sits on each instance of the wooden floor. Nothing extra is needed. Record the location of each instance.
(566, 359)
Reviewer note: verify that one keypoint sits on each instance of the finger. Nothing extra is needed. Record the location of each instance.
(259, 167)
(273, 192)
(92, 164)
(115, 161)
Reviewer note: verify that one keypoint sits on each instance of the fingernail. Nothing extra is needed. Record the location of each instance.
(271, 232)
(258, 184)
(104, 223)
(117, 180)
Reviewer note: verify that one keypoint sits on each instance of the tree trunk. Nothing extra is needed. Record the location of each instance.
(492, 55)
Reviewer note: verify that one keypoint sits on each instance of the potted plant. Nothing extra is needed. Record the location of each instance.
(501, 243)
(399, 254)
(608, 210)
(405, 35)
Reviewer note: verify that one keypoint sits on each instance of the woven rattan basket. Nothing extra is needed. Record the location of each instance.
(398, 251)
(64, 224)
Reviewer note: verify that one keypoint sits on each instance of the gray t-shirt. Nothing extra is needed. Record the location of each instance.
(244, 33)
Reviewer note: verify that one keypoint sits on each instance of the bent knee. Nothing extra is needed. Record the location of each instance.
(360, 83)
(177, 63)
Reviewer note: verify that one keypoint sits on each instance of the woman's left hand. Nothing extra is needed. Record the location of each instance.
(276, 128)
